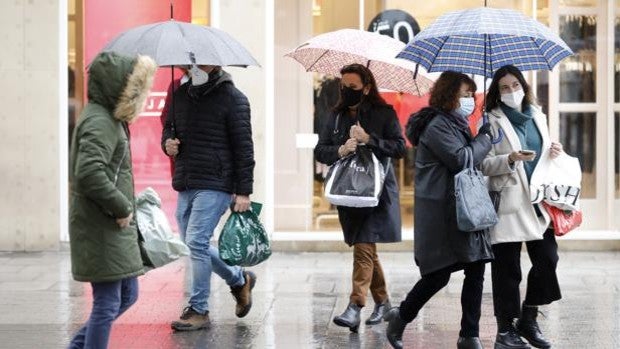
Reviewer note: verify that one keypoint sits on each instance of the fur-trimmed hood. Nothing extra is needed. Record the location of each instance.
(120, 83)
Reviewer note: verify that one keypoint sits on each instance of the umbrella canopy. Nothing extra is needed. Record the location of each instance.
(465, 40)
(328, 53)
(170, 43)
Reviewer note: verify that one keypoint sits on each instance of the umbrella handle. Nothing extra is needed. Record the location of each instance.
(500, 132)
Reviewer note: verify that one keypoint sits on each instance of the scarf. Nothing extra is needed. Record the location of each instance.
(527, 131)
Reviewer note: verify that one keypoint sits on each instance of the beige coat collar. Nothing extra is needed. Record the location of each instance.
(541, 122)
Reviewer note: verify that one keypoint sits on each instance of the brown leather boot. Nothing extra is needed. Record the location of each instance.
(243, 294)
(191, 320)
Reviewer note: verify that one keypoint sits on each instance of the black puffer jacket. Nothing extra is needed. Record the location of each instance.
(212, 122)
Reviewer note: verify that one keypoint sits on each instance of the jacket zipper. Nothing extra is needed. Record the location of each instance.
(118, 170)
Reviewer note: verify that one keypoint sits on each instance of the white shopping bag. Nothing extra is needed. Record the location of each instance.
(161, 245)
(560, 183)
(355, 180)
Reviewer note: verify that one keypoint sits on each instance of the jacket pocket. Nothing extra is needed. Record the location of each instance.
(511, 199)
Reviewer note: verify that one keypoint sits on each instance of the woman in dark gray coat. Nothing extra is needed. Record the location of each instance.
(441, 134)
(363, 117)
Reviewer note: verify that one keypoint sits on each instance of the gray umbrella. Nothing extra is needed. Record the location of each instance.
(173, 43)
(170, 43)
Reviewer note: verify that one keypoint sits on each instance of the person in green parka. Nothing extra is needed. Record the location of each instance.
(102, 228)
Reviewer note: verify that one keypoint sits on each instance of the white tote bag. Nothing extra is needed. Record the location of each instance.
(355, 180)
(160, 244)
(561, 183)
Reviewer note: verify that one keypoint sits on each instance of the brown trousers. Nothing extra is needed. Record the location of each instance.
(367, 273)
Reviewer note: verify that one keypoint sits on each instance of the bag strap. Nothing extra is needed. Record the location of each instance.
(336, 128)
(469, 159)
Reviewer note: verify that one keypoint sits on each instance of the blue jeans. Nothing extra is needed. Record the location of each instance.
(198, 213)
(110, 300)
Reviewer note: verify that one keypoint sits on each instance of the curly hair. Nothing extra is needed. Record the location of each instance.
(494, 95)
(445, 91)
(373, 97)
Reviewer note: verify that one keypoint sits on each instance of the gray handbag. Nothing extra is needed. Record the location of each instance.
(474, 208)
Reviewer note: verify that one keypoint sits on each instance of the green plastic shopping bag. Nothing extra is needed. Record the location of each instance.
(244, 241)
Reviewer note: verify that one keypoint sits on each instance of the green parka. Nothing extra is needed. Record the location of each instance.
(102, 188)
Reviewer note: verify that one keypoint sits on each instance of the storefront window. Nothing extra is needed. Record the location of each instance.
(542, 90)
(330, 15)
(542, 76)
(577, 3)
(578, 136)
(617, 100)
(578, 72)
(617, 56)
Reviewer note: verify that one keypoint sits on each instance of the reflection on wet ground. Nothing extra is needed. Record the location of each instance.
(295, 298)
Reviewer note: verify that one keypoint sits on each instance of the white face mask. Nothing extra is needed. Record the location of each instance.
(513, 99)
(184, 78)
(199, 76)
(466, 107)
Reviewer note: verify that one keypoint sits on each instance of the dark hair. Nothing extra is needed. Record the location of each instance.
(493, 96)
(444, 94)
(368, 80)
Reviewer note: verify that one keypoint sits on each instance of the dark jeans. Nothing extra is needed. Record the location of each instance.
(110, 300)
(542, 280)
(471, 296)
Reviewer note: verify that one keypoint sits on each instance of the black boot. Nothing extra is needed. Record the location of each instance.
(378, 312)
(350, 318)
(395, 328)
(507, 336)
(527, 326)
(469, 343)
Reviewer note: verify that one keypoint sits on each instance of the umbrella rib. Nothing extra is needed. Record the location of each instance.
(490, 63)
(438, 50)
(541, 53)
(143, 34)
(318, 59)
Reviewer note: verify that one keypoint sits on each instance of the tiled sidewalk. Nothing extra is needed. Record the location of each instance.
(295, 298)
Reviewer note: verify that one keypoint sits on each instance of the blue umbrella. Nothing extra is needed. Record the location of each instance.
(481, 40)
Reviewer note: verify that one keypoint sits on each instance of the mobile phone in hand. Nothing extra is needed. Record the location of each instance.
(526, 152)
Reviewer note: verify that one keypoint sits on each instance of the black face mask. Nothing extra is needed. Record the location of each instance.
(350, 97)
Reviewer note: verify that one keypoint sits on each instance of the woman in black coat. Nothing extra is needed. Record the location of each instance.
(363, 117)
(441, 134)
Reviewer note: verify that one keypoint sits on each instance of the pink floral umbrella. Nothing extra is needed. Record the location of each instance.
(328, 53)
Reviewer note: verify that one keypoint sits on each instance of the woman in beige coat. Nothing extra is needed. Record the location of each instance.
(510, 165)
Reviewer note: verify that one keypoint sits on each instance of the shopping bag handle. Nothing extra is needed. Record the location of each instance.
(255, 207)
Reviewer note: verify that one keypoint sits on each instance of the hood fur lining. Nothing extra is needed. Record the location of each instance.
(139, 82)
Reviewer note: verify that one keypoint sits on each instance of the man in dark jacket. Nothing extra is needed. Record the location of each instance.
(210, 138)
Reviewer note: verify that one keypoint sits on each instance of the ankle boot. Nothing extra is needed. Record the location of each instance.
(507, 336)
(469, 343)
(527, 326)
(350, 318)
(395, 328)
(378, 312)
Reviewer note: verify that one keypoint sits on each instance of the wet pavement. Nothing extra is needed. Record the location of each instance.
(295, 298)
